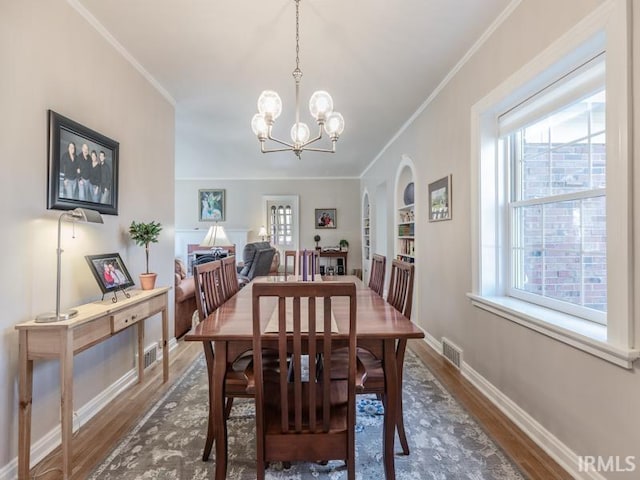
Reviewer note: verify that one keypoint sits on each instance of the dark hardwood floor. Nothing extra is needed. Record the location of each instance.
(95, 439)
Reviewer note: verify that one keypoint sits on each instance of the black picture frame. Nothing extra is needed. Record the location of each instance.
(97, 266)
(64, 193)
(325, 218)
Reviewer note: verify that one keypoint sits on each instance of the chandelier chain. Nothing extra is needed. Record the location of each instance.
(297, 73)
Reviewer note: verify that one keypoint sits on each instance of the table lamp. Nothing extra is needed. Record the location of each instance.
(216, 238)
(263, 232)
(80, 215)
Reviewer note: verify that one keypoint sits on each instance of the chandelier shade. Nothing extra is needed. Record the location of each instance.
(320, 104)
(320, 108)
(270, 104)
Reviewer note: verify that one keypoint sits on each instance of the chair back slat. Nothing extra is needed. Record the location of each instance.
(230, 277)
(378, 268)
(296, 258)
(400, 294)
(282, 354)
(307, 404)
(209, 287)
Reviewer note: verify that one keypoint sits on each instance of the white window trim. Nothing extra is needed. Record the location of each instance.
(606, 27)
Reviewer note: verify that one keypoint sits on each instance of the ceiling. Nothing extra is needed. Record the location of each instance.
(379, 59)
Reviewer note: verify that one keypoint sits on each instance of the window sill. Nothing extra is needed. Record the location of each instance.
(581, 334)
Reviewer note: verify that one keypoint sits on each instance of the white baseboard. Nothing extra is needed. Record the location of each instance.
(557, 450)
(51, 440)
(432, 342)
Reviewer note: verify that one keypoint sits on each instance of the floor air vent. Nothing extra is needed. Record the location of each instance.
(452, 352)
(150, 355)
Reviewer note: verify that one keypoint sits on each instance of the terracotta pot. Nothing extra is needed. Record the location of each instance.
(148, 280)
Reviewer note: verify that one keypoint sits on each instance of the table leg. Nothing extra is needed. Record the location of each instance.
(220, 425)
(165, 342)
(400, 351)
(140, 328)
(66, 399)
(208, 444)
(25, 381)
(391, 407)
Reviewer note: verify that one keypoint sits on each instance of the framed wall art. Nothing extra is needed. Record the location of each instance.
(82, 167)
(325, 218)
(211, 205)
(440, 199)
(109, 271)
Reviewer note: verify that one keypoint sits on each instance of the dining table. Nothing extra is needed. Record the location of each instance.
(228, 332)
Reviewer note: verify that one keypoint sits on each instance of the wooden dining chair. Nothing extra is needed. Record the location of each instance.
(210, 294)
(209, 286)
(296, 259)
(378, 270)
(400, 296)
(301, 413)
(230, 277)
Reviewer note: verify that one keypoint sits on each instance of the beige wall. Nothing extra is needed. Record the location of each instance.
(51, 58)
(586, 403)
(244, 208)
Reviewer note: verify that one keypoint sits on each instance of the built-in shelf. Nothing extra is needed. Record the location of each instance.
(405, 219)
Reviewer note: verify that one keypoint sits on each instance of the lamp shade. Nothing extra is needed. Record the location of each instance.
(320, 104)
(300, 133)
(216, 237)
(334, 125)
(85, 215)
(262, 232)
(269, 104)
(259, 125)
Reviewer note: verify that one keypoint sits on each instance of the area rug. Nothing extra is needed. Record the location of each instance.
(445, 442)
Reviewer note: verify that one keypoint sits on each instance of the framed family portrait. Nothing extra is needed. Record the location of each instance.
(211, 204)
(82, 169)
(440, 199)
(325, 218)
(109, 271)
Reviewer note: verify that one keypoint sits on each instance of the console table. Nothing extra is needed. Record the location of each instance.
(338, 255)
(94, 323)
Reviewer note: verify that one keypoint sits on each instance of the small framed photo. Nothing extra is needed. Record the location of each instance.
(440, 200)
(109, 271)
(211, 204)
(82, 168)
(325, 218)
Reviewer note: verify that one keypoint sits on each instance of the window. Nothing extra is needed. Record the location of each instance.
(281, 224)
(551, 219)
(557, 195)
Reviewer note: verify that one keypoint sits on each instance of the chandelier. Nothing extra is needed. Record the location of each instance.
(320, 107)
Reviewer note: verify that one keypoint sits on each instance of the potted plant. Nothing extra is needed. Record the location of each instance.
(316, 239)
(344, 245)
(144, 234)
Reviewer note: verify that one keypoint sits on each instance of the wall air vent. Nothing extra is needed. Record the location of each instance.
(452, 352)
(150, 355)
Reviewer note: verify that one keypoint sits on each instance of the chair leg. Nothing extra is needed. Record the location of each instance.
(227, 408)
(208, 443)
